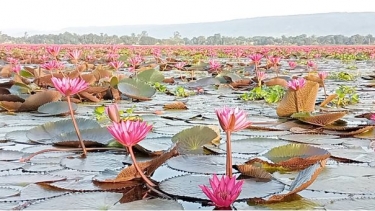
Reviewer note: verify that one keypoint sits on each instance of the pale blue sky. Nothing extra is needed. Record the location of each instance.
(58, 14)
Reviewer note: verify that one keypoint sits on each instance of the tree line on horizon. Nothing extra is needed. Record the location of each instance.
(217, 39)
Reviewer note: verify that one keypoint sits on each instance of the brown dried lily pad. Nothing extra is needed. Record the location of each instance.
(362, 129)
(10, 106)
(175, 105)
(306, 95)
(328, 100)
(292, 157)
(321, 119)
(33, 102)
(253, 171)
(276, 81)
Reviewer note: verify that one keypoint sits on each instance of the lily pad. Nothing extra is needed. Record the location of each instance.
(187, 186)
(191, 140)
(25, 179)
(311, 138)
(348, 179)
(44, 133)
(91, 137)
(136, 89)
(94, 162)
(352, 204)
(263, 133)
(88, 185)
(8, 155)
(6, 166)
(55, 108)
(41, 168)
(150, 204)
(8, 192)
(353, 154)
(34, 192)
(79, 201)
(150, 75)
(18, 136)
(203, 164)
(155, 144)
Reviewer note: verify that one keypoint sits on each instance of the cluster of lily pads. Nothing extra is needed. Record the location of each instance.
(120, 149)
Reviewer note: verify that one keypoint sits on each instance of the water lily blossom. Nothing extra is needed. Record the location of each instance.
(117, 64)
(256, 58)
(16, 69)
(180, 65)
(67, 86)
(296, 84)
(322, 75)
(223, 191)
(75, 55)
(130, 133)
(214, 65)
(292, 64)
(53, 50)
(260, 76)
(231, 120)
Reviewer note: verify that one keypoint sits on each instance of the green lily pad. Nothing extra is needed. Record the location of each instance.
(87, 185)
(24, 179)
(136, 89)
(311, 138)
(55, 108)
(35, 192)
(41, 168)
(44, 133)
(91, 137)
(191, 140)
(18, 136)
(202, 164)
(150, 75)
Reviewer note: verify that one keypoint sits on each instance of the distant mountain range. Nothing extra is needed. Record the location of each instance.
(347, 24)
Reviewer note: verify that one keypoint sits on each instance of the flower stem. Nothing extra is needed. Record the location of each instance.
(139, 170)
(229, 155)
(296, 100)
(325, 92)
(76, 126)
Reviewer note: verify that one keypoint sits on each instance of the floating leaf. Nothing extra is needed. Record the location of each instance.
(175, 105)
(203, 82)
(253, 171)
(6, 166)
(49, 130)
(153, 145)
(191, 140)
(34, 192)
(55, 108)
(187, 186)
(24, 179)
(348, 179)
(136, 89)
(150, 75)
(357, 154)
(150, 204)
(88, 185)
(8, 155)
(293, 156)
(311, 138)
(352, 204)
(8, 192)
(79, 201)
(91, 137)
(94, 162)
(322, 119)
(203, 164)
(41, 168)
(328, 100)
(351, 133)
(18, 136)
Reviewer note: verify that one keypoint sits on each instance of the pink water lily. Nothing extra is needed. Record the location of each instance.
(232, 119)
(75, 54)
(180, 65)
(112, 57)
(117, 64)
(53, 50)
(129, 133)
(16, 69)
(274, 60)
(12, 61)
(256, 58)
(67, 86)
(322, 75)
(214, 65)
(310, 64)
(296, 84)
(292, 64)
(53, 65)
(260, 76)
(224, 191)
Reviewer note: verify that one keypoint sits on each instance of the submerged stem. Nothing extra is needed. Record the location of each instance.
(229, 155)
(324, 88)
(139, 170)
(76, 126)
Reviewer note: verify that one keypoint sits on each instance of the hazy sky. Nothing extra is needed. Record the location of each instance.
(57, 14)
